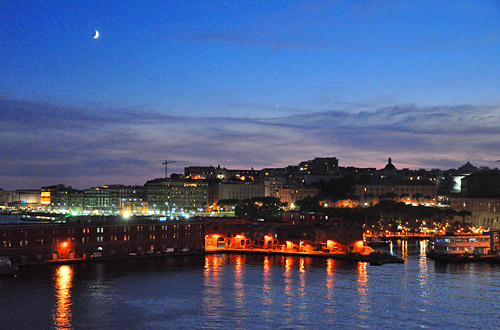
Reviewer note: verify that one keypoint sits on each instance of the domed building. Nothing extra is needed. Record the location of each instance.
(390, 167)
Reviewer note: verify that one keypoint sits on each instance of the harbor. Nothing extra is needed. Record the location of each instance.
(224, 290)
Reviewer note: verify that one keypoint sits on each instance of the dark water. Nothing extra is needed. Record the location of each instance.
(254, 292)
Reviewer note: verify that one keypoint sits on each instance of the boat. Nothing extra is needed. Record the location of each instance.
(378, 258)
(376, 242)
(461, 248)
(457, 257)
(6, 266)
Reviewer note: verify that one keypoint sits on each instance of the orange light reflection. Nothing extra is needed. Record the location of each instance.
(363, 290)
(267, 282)
(404, 248)
(212, 283)
(302, 267)
(63, 282)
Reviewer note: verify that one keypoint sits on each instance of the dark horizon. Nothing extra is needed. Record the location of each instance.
(78, 183)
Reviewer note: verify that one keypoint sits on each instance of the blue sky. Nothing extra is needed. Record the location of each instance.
(243, 83)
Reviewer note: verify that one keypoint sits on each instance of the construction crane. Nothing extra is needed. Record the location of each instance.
(165, 163)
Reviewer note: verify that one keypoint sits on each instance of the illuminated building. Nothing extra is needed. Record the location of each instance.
(293, 195)
(236, 190)
(36, 243)
(408, 192)
(60, 198)
(218, 173)
(310, 218)
(22, 199)
(272, 185)
(480, 195)
(115, 199)
(485, 212)
(176, 195)
(284, 238)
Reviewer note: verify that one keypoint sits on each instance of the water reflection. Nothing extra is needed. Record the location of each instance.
(423, 247)
(302, 267)
(289, 295)
(302, 284)
(212, 295)
(404, 248)
(330, 267)
(362, 290)
(339, 294)
(330, 271)
(422, 272)
(266, 282)
(63, 279)
(288, 265)
(238, 283)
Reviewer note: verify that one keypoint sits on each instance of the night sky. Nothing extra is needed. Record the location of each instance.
(243, 84)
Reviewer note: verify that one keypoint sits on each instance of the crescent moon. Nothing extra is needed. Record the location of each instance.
(96, 34)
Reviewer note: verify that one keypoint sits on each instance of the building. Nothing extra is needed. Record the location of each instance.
(168, 196)
(60, 198)
(481, 184)
(311, 218)
(292, 195)
(219, 173)
(272, 185)
(129, 199)
(4, 198)
(115, 199)
(415, 193)
(480, 195)
(284, 238)
(76, 201)
(38, 243)
(485, 212)
(236, 191)
(204, 172)
(25, 199)
(321, 165)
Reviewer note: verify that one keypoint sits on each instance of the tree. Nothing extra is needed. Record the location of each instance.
(417, 197)
(336, 189)
(464, 214)
(353, 197)
(450, 214)
(259, 208)
(228, 202)
(309, 204)
(390, 195)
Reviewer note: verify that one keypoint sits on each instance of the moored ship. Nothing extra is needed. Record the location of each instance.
(465, 248)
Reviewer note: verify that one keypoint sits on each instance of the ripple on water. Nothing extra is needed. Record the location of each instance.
(249, 292)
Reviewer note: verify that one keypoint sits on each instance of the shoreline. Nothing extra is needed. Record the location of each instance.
(374, 259)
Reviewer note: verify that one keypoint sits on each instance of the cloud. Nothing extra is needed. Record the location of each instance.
(45, 144)
(24, 114)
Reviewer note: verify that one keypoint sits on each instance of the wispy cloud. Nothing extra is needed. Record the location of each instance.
(44, 144)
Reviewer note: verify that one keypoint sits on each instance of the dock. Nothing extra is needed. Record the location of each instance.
(375, 258)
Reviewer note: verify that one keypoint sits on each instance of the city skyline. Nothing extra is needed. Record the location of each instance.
(183, 176)
(243, 85)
